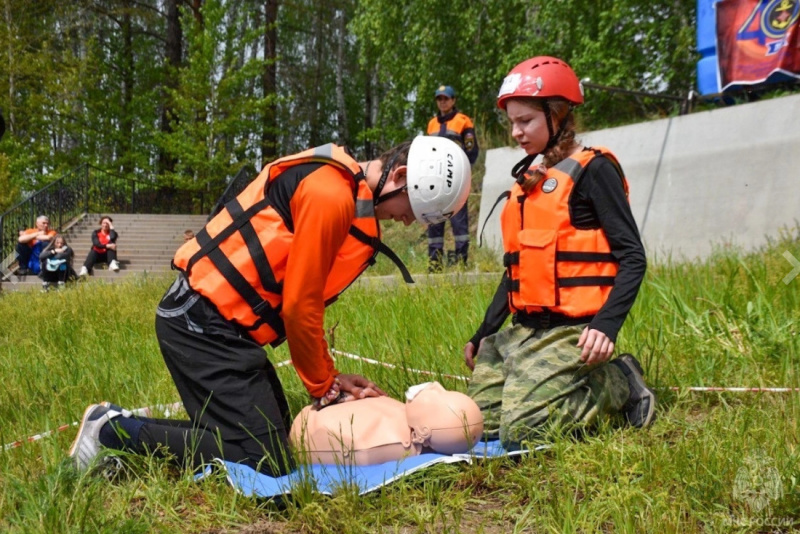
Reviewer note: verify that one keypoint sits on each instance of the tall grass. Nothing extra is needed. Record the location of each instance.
(727, 321)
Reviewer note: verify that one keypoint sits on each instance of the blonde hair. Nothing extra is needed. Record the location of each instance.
(560, 110)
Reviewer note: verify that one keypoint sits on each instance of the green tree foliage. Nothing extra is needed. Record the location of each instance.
(419, 44)
(321, 83)
(630, 44)
(187, 92)
(217, 100)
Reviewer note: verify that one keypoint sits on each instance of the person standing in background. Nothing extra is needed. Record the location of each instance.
(457, 127)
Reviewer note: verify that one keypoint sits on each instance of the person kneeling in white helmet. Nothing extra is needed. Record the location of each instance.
(261, 272)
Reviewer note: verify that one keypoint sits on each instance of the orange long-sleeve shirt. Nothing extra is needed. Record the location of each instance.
(322, 209)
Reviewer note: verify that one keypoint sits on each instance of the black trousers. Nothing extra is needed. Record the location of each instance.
(60, 275)
(95, 257)
(229, 388)
(460, 224)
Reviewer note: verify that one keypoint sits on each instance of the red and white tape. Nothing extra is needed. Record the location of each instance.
(148, 411)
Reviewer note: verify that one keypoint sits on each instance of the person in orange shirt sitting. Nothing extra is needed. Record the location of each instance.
(31, 243)
(262, 272)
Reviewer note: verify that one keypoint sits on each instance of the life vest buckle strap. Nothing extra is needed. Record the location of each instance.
(513, 285)
(585, 281)
(548, 319)
(380, 246)
(592, 257)
(510, 258)
(262, 308)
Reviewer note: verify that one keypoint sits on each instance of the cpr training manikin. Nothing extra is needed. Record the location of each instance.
(382, 429)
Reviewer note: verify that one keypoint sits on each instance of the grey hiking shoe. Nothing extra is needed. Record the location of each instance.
(640, 410)
(87, 443)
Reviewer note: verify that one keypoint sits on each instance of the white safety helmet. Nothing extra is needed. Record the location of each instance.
(439, 178)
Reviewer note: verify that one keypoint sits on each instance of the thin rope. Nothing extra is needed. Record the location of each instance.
(168, 409)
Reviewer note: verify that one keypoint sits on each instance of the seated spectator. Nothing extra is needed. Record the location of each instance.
(30, 245)
(56, 261)
(188, 235)
(104, 247)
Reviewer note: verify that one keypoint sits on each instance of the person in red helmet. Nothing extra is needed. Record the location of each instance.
(574, 263)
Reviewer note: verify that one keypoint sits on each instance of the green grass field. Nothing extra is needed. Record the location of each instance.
(712, 462)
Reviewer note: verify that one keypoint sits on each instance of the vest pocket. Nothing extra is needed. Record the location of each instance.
(537, 267)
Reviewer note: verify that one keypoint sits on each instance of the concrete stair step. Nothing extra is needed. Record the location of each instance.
(147, 244)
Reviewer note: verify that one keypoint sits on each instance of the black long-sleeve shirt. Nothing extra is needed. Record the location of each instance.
(597, 201)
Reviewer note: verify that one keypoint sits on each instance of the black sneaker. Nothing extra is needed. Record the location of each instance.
(640, 410)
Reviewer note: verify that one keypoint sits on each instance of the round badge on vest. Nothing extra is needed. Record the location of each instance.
(549, 185)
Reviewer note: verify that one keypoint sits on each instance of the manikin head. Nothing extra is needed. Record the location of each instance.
(448, 422)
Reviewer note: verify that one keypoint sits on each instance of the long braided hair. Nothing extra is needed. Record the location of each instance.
(561, 115)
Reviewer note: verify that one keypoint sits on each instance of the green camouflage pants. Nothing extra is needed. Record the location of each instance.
(527, 381)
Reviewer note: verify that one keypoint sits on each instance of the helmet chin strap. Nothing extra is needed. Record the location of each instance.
(376, 195)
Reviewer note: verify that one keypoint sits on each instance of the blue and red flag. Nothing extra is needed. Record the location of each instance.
(757, 41)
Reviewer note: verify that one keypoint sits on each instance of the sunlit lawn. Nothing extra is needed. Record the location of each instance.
(705, 466)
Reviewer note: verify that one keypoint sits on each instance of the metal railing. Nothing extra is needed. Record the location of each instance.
(89, 189)
(692, 98)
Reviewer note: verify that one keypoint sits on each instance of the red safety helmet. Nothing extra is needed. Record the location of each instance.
(541, 77)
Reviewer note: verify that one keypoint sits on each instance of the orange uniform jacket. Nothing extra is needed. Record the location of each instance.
(458, 128)
(271, 266)
(551, 264)
(36, 231)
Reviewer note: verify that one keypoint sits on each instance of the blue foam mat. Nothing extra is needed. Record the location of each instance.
(327, 478)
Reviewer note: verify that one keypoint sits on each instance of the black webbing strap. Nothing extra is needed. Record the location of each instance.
(381, 247)
(512, 284)
(505, 194)
(586, 257)
(207, 244)
(259, 257)
(577, 281)
(510, 258)
(580, 281)
(260, 307)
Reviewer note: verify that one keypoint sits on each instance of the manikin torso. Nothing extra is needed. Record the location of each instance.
(381, 429)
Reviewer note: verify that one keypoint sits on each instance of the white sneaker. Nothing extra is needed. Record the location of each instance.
(87, 445)
(113, 266)
(84, 271)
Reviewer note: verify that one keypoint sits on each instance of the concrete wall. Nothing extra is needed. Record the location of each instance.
(727, 176)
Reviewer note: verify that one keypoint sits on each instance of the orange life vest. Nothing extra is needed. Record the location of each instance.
(553, 266)
(238, 260)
